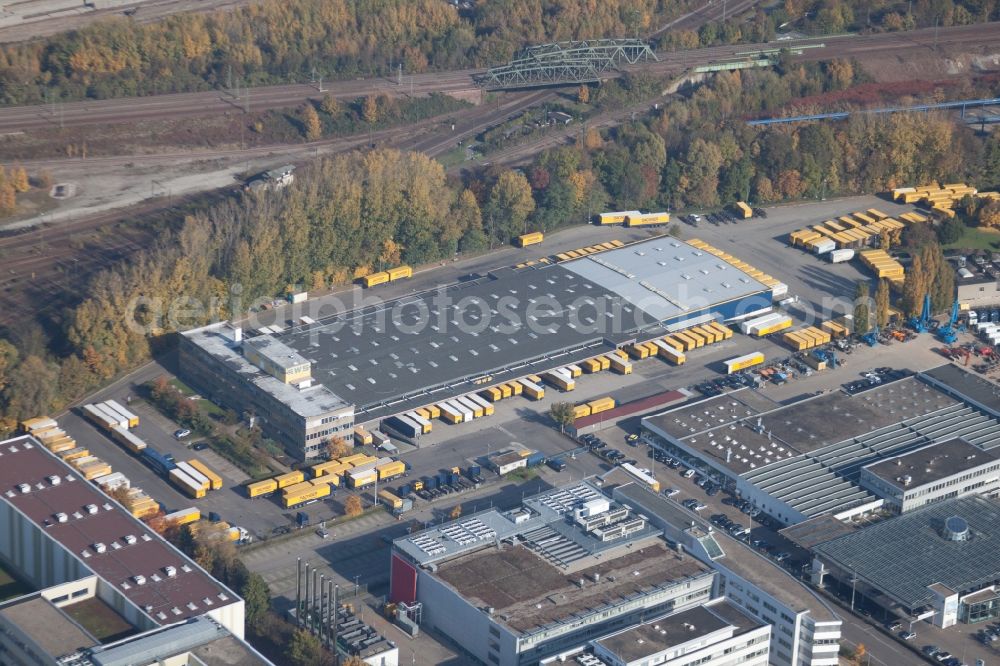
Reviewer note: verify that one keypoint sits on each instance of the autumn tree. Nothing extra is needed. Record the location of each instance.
(862, 323)
(337, 447)
(352, 506)
(914, 288)
(304, 649)
(562, 413)
(583, 94)
(330, 105)
(311, 127)
(456, 512)
(882, 303)
(19, 179)
(989, 215)
(369, 110)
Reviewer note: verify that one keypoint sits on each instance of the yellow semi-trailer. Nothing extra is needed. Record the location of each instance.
(375, 279)
(723, 330)
(114, 405)
(128, 439)
(362, 437)
(291, 478)
(99, 418)
(667, 352)
(195, 475)
(468, 413)
(688, 341)
(61, 444)
(744, 362)
(601, 405)
(618, 217)
(214, 479)
(642, 476)
(334, 467)
(559, 381)
(450, 414)
(95, 469)
(296, 488)
(638, 351)
(515, 388)
(473, 406)
(619, 365)
(307, 495)
(529, 239)
(486, 406)
(37, 424)
(186, 484)
(391, 470)
(590, 365)
(361, 478)
(400, 273)
(330, 479)
(774, 327)
(493, 394)
(532, 390)
(357, 459)
(647, 219)
(73, 454)
(574, 371)
(425, 425)
(183, 517)
(390, 500)
(506, 390)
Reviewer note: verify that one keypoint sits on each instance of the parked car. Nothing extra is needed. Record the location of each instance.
(688, 474)
(322, 533)
(182, 433)
(670, 492)
(200, 446)
(556, 464)
(907, 635)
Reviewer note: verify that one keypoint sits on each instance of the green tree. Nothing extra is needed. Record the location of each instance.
(304, 649)
(31, 389)
(509, 205)
(943, 290)
(562, 414)
(862, 308)
(882, 303)
(950, 230)
(257, 595)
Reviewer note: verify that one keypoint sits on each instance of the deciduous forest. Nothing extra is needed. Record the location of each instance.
(287, 40)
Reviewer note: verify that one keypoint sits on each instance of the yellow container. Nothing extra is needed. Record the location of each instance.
(259, 488)
(375, 279)
(601, 405)
(580, 411)
(362, 437)
(291, 478)
(214, 479)
(391, 470)
(400, 272)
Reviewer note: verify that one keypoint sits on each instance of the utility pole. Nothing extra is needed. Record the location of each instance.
(399, 77)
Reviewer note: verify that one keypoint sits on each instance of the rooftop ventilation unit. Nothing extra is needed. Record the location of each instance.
(24, 488)
(99, 548)
(170, 571)
(54, 480)
(61, 517)
(129, 539)
(956, 529)
(91, 509)
(139, 579)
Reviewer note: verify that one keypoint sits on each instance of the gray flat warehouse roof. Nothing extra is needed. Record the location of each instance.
(904, 555)
(931, 463)
(419, 348)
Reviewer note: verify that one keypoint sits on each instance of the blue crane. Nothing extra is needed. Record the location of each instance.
(947, 333)
(871, 337)
(920, 324)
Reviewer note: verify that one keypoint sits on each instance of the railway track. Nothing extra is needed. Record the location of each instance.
(214, 102)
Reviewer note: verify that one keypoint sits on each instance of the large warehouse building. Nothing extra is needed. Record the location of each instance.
(938, 563)
(826, 454)
(92, 576)
(377, 361)
(574, 572)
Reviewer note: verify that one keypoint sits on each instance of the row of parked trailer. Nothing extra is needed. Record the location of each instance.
(632, 218)
(852, 231)
(55, 439)
(354, 471)
(192, 516)
(384, 277)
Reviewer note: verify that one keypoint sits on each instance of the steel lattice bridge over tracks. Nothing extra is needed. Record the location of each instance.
(564, 63)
